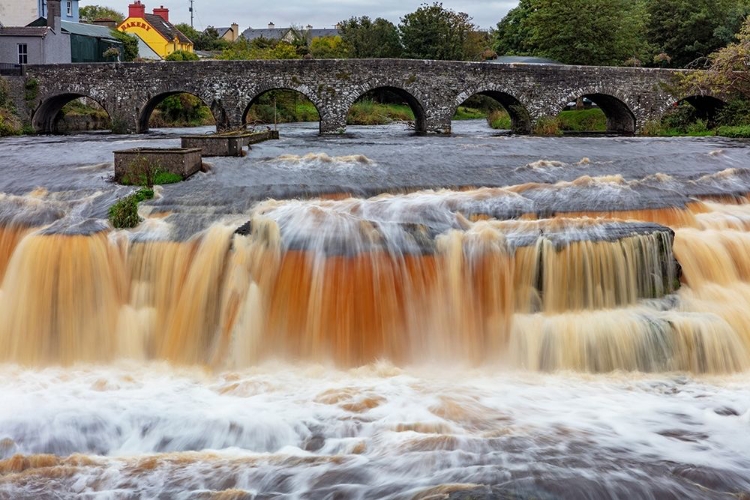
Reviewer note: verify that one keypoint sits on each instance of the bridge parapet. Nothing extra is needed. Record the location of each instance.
(129, 92)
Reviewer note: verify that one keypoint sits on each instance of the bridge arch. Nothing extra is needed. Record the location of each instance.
(411, 98)
(620, 117)
(145, 112)
(707, 107)
(520, 118)
(45, 118)
(263, 90)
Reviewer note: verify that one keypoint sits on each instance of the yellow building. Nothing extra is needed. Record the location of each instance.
(155, 30)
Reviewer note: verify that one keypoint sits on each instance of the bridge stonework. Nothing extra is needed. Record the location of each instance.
(129, 92)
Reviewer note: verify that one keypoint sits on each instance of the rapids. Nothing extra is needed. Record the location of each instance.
(378, 315)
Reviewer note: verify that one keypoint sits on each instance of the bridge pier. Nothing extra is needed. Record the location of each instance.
(332, 123)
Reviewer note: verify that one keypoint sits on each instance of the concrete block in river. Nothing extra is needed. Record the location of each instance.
(228, 144)
(181, 161)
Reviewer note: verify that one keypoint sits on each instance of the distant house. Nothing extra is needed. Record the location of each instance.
(88, 42)
(230, 34)
(155, 30)
(23, 12)
(45, 44)
(288, 34)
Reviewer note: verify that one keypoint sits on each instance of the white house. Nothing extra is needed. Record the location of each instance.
(23, 12)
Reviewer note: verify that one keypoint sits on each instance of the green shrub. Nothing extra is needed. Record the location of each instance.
(737, 132)
(163, 177)
(499, 119)
(124, 213)
(548, 126)
(182, 55)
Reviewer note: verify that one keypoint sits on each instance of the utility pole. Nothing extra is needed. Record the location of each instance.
(191, 14)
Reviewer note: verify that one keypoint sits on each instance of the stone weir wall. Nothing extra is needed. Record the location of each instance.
(129, 92)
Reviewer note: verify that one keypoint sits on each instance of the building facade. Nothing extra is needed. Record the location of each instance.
(45, 44)
(23, 12)
(155, 30)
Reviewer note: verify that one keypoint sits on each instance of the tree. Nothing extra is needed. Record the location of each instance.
(729, 71)
(689, 30)
(259, 49)
(203, 40)
(367, 39)
(590, 32)
(328, 47)
(91, 13)
(433, 32)
(130, 45)
(182, 55)
(513, 36)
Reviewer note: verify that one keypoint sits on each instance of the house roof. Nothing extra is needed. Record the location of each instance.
(166, 29)
(281, 33)
(221, 31)
(91, 30)
(30, 31)
(268, 34)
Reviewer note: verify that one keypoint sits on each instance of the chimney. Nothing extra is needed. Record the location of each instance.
(162, 12)
(137, 9)
(235, 31)
(271, 26)
(53, 14)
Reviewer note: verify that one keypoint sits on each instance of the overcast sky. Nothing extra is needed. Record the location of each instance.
(319, 13)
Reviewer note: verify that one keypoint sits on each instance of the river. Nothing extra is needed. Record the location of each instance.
(474, 316)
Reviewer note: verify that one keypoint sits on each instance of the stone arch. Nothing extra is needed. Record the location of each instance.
(302, 90)
(620, 117)
(521, 121)
(46, 114)
(413, 99)
(706, 106)
(144, 113)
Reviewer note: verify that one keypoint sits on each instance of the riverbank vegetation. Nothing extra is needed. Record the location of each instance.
(10, 124)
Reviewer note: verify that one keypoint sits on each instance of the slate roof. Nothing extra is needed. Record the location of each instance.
(268, 34)
(90, 30)
(165, 29)
(281, 33)
(32, 31)
(221, 31)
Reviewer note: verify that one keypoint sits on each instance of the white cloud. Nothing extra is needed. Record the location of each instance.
(320, 14)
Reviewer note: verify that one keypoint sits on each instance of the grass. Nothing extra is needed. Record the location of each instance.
(366, 112)
(124, 213)
(467, 113)
(499, 120)
(736, 132)
(582, 120)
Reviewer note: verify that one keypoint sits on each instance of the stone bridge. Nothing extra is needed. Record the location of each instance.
(129, 92)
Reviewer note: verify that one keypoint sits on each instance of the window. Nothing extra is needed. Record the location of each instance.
(23, 53)
(70, 8)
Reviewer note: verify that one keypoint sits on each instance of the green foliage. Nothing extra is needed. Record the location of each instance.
(464, 113)
(514, 32)
(182, 55)
(181, 110)
(91, 13)
(124, 213)
(547, 126)
(31, 89)
(735, 112)
(737, 132)
(433, 32)
(162, 178)
(130, 45)
(583, 120)
(499, 120)
(328, 47)
(203, 40)
(688, 30)
(365, 38)
(282, 106)
(368, 112)
(243, 50)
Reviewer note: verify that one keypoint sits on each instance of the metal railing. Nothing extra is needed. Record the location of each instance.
(7, 69)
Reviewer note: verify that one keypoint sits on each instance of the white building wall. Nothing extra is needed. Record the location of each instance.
(18, 12)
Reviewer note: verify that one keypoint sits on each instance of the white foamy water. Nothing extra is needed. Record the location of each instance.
(148, 431)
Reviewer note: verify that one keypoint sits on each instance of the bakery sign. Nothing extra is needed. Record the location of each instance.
(135, 24)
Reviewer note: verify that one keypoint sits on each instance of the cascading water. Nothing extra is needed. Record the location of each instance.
(554, 338)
